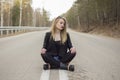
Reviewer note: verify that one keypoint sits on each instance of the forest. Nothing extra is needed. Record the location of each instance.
(95, 16)
(88, 16)
(21, 13)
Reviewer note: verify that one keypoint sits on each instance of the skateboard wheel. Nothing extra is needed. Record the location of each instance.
(71, 68)
(45, 66)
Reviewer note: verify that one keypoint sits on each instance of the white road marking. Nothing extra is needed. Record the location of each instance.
(63, 75)
(45, 75)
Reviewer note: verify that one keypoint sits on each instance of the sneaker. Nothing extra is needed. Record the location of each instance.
(63, 66)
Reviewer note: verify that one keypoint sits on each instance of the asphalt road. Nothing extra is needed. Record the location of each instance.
(98, 58)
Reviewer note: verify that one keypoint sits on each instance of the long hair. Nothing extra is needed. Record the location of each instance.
(63, 33)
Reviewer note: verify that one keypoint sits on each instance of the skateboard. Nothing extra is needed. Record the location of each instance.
(46, 67)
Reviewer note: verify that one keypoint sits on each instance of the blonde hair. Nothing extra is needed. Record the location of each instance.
(63, 32)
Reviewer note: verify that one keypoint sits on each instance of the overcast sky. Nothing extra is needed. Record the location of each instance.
(54, 7)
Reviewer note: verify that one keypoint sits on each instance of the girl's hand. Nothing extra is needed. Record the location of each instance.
(43, 51)
(73, 50)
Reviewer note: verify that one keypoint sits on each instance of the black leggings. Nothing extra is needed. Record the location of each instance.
(48, 58)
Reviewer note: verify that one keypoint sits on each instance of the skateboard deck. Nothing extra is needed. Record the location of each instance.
(47, 67)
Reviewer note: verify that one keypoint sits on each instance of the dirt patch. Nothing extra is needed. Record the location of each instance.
(113, 31)
(107, 31)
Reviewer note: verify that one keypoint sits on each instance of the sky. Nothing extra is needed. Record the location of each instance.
(54, 7)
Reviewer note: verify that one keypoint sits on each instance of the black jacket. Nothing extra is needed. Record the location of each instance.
(49, 44)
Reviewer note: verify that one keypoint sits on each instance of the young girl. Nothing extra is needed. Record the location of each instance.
(57, 48)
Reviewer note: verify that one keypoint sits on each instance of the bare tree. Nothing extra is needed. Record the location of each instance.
(1, 13)
(20, 13)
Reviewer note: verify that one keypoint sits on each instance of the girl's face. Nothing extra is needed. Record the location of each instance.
(60, 24)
